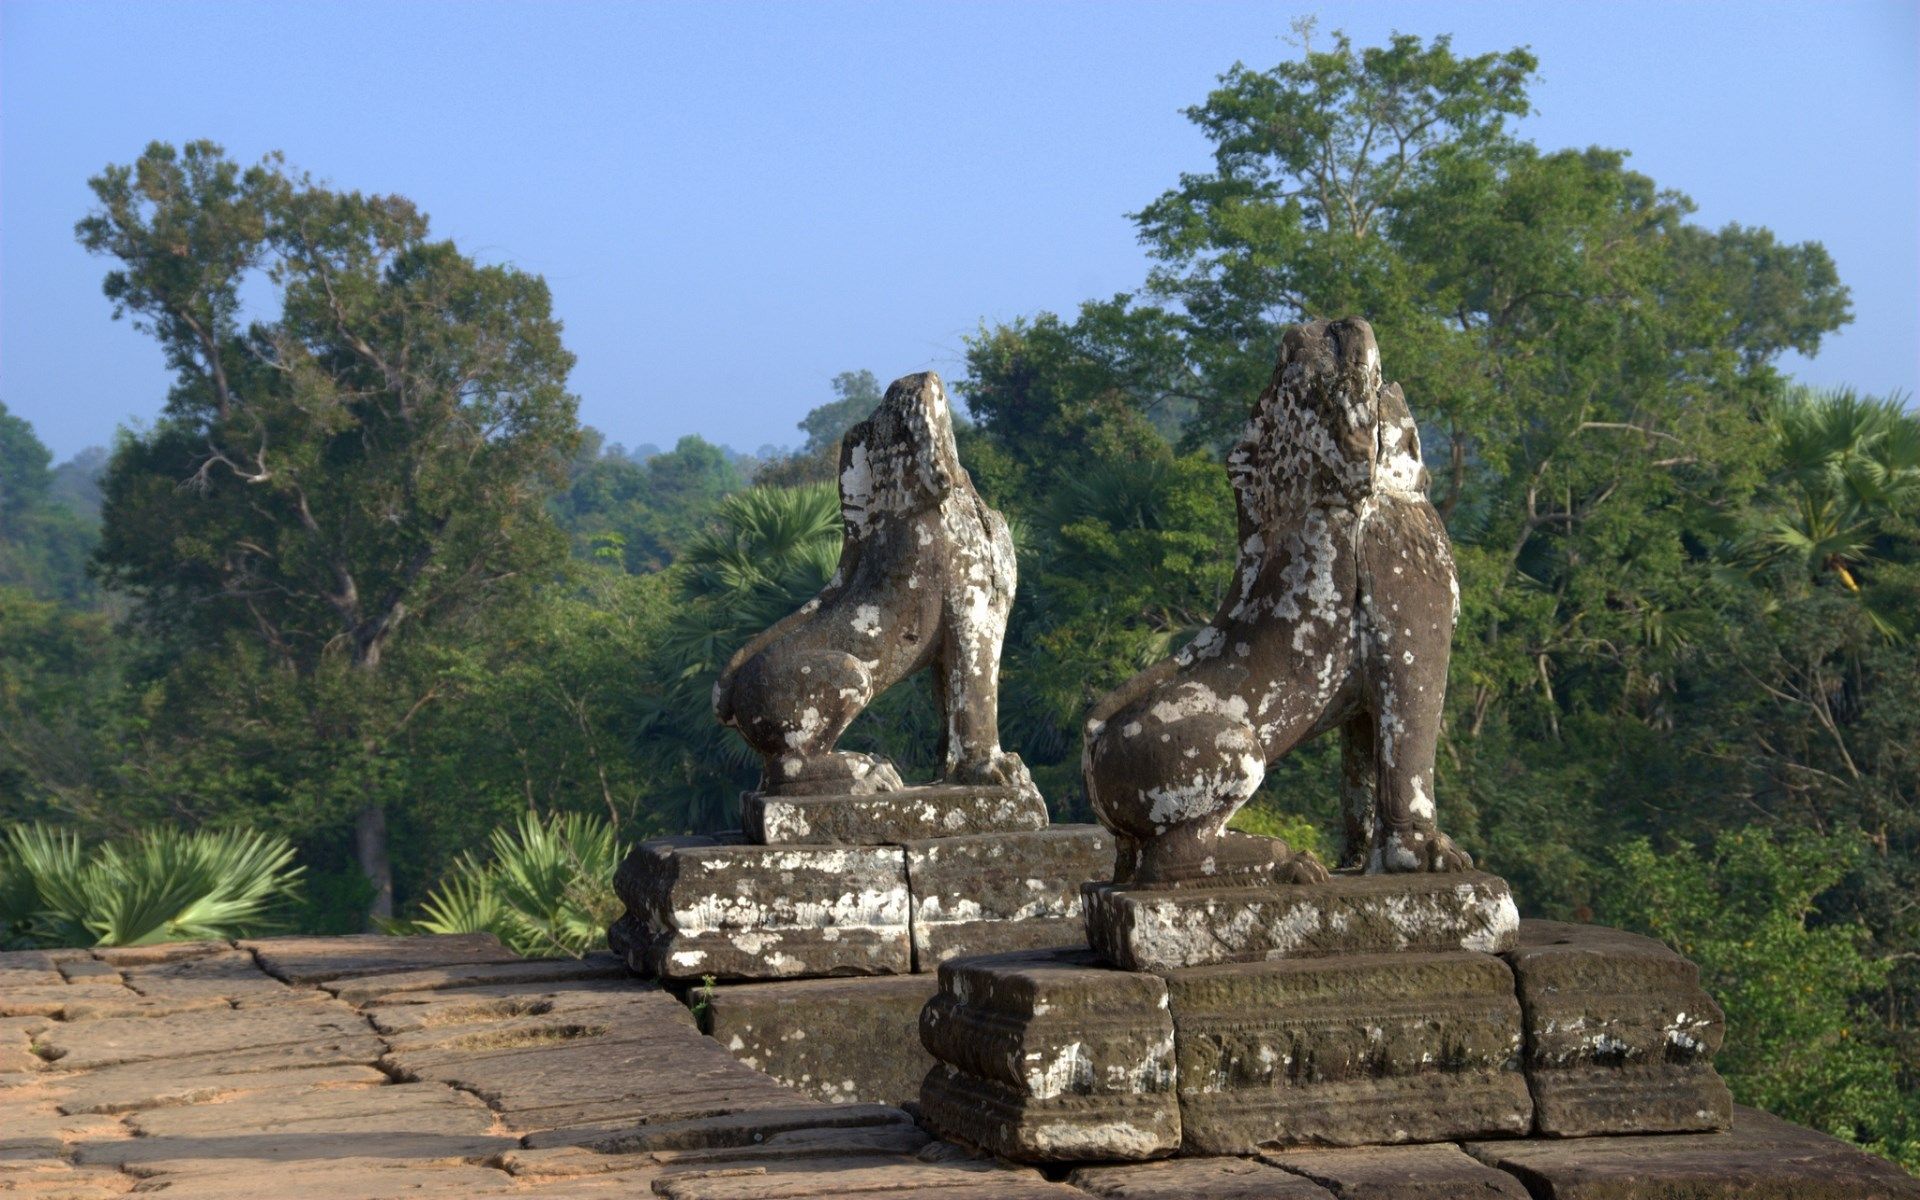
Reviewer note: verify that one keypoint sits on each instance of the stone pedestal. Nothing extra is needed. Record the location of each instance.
(888, 818)
(1348, 1050)
(717, 906)
(1001, 892)
(845, 1041)
(1051, 1056)
(1576, 1030)
(1620, 1036)
(731, 909)
(1166, 928)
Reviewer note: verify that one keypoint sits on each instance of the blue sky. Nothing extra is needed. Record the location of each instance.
(734, 202)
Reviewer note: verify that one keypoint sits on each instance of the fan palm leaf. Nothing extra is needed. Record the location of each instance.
(166, 885)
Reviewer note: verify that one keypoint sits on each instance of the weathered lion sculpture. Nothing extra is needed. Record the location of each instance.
(926, 580)
(1341, 614)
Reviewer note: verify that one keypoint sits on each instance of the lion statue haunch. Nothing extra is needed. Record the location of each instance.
(1341, 614)
(925, 580)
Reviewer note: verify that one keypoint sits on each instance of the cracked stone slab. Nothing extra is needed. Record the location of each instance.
(1620, 1036)
(736, 1129)
(997, 893)
(1761, 1158)
(396, 1013)
(837, 1040)
(58, 1180)
(638, 1072)
(887, 818)
(169, 1083)
(218, 975)
(361, 989)
(81, 1044)
(1196, 1179)
(1347, 1051)
(304, 961)
(156, 954)
(84, 971)
(962, 1179)
(884, 1142)
(1051, 1056)
(700, 906)
(28, 969)
(421, 1122)
(1435, 1171)
(1166, 928)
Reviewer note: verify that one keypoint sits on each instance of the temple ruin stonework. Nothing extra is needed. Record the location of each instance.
(840, 867)
(1173, 1007)
(1236, 997)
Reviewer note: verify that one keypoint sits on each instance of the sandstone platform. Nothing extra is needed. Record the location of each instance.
(373, 1068)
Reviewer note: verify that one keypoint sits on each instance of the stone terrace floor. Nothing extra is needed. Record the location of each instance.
(372, 1067)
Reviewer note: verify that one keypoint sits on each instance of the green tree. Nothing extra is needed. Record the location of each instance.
(1799, 1043)
(44, 540)
(645, 513)
(770, 550)
(374, 459)
(856, 395)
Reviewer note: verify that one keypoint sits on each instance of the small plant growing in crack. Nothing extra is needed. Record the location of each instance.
(702, 1004)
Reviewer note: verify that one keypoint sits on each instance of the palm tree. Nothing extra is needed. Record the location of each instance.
(772, 550)
(1846, 490)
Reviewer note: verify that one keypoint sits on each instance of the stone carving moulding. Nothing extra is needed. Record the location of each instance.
(925, 582)
(1340, 616)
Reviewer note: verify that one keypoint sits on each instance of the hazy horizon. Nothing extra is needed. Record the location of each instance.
(734, 204)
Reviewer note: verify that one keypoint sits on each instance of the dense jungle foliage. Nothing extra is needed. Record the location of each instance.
(367, 589)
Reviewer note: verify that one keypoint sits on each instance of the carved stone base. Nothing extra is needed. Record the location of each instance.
(1620, 1036)
(845, 1041)
(1347, 1051)
(1578, 1030)
(1051, 1056)
(716, 906)
(995, 893)
(1167, 928)
(887, 818)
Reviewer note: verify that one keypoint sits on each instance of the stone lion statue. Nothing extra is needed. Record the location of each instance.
(1340, 615)
(925, 581)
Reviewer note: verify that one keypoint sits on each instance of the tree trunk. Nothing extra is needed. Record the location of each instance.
(370, 836)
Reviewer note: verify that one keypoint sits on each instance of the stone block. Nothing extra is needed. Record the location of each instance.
(1423, 1172)
(1761, 1158)
(1051, 1056)
(361, 989)
(306, 960)
(1197, 1179)
(1620, 1036)
(735, 1130)
(839, 1040)
(716, 906)
(888, 818)
(997, 893)
(1166, 928)
(1347, 1051)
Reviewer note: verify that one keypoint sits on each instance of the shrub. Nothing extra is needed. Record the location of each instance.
(164, 885)
(547, 889)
